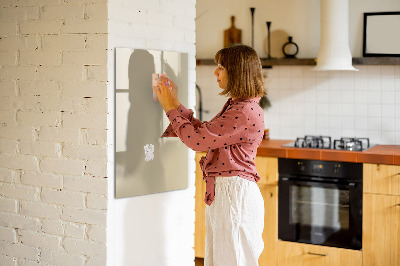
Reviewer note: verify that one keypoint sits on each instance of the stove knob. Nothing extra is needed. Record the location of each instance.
(336, 169)
(301, 166)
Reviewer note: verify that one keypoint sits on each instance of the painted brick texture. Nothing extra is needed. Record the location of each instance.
(53, 111)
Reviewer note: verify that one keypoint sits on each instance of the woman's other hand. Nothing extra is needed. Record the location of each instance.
(174, 89)
(164, 95)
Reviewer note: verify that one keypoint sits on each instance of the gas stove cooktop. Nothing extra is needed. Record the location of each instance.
(325, 142)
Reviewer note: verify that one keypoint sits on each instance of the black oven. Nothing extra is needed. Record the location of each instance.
(320, 202)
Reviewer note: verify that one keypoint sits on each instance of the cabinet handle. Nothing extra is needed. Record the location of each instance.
(398, 204)
(318, 254)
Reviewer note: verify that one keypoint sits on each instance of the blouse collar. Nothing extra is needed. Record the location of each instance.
(254, 99)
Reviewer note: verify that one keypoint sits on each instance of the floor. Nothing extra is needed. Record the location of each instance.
(199, 262)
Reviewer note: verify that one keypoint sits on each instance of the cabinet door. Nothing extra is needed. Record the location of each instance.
(297, 254)
(381, 179)
(270, 233)
(267, 168)
(200, 207)
(381, 230)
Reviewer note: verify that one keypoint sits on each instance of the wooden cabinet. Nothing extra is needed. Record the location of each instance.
(200, 207)
(381, 179)
(381, 215)
(298, 254)
(381, 230)
(381, 221)
(270, 233)
(268, 169)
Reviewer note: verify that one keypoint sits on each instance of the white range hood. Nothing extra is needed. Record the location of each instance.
(334, 52)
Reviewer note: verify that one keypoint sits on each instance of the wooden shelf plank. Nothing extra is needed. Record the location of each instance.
(265, 62)
(376, 61)
(288, 61)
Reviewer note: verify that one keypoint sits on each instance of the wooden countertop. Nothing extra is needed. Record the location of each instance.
(379, 154)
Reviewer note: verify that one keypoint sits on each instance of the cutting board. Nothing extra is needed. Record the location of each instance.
(232, 35)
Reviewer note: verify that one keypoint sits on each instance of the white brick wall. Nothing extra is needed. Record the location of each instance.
(61, 258)
(75, 230)
(53, 107)
(54, 140)
(8, 234)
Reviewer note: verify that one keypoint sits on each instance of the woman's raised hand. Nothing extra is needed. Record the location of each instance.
(174, 89)
(164, 95)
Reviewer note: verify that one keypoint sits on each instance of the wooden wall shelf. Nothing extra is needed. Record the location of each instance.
(376, 61)
(312, 61)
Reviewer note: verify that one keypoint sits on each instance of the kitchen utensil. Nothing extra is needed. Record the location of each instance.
(252, 9)
(232, 35)
(269, 38)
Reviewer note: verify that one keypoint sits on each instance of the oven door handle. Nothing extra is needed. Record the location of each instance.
(329, 184)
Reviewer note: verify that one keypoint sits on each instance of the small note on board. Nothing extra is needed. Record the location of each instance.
(148, 152)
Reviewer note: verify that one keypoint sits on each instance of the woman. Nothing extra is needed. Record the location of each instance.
(235, 207)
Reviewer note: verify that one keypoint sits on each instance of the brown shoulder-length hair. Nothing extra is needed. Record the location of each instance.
(245, 78)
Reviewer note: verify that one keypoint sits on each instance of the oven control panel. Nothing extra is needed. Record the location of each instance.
(331, 169)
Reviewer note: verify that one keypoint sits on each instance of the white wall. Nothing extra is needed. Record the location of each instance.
(337, 104)
(53, 190)
(155, 229)
(298, 18)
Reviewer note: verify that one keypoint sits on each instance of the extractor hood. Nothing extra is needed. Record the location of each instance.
(334, 51)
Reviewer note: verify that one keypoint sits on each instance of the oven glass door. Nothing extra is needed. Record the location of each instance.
(320, 213)
(318, 207)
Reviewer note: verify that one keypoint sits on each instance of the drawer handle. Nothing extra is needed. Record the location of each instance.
(318, 254)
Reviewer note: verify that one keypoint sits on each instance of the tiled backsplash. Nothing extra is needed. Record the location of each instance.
(332, 103)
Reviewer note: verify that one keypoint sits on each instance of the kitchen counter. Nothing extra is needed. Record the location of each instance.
(379, 154)
(381, 195)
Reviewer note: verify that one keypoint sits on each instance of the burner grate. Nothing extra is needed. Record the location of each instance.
(320, 142)
(324, 142)
(351, 144)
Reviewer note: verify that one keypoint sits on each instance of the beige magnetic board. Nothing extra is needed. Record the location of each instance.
(145, 163)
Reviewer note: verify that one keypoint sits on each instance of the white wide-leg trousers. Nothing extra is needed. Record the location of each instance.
(234, 223)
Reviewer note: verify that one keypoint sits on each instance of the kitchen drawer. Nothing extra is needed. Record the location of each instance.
(298, 254)
(381, 179)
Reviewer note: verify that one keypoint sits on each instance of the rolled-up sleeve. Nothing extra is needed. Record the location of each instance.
(225, 130)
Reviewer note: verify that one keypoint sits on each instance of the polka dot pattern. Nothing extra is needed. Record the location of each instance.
(231, 139)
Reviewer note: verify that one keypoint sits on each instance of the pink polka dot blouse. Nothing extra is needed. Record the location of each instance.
(231, 139)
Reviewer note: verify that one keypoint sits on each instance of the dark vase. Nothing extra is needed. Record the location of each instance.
(290, 49)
